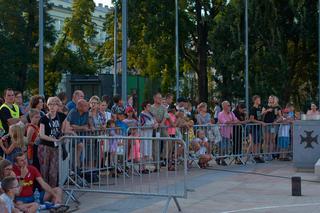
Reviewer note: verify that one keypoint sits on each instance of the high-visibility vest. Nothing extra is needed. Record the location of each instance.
(14, 114)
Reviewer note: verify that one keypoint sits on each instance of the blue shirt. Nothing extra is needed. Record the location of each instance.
(75, 118)
(123, 126)
(71, 105)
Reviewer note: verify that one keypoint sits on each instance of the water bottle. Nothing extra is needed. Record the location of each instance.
(36, 196)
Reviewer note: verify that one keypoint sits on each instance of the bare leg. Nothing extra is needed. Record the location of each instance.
(27, 207)
(49, 197)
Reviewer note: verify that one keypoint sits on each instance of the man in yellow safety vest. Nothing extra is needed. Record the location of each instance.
(9, 111)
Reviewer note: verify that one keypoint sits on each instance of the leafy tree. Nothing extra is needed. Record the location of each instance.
(76, 50)
(198, 18)
(18, 43)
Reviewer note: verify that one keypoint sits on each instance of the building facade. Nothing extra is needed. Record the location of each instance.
(61, 9)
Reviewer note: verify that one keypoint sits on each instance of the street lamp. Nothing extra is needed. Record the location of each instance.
(115, 33)
(41, 66)
(124, 51)
(177, 49)
(246, 56)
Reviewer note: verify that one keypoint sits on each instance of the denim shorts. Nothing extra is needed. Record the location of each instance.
(30, 199)
(283, 142)
(224, 143)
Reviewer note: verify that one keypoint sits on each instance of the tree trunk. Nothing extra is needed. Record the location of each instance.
(202, 75)
(202, 53)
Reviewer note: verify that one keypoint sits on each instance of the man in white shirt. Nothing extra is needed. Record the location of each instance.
(11, 188)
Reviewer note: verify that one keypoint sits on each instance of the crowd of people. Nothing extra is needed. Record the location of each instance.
(31, 134)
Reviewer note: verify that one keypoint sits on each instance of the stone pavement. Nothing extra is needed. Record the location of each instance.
(253, 188)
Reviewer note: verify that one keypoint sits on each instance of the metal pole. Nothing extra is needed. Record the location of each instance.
(115, 64)
(41, 66)
(124, 51)
(177, 49)
(318, 53)
(246, 56)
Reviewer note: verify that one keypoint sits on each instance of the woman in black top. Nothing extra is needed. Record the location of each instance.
(51, 129)
(270, 114)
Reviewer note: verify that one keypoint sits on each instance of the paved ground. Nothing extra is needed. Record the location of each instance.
(240, 189)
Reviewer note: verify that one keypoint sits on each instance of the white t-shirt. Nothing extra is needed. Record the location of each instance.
(8, 201)
(284, 130)
(203, 149)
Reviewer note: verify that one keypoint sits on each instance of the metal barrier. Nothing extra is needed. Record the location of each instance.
(245, 142)
(122, 168)
(266, 141)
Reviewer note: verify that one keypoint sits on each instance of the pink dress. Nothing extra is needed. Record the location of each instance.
(134, 149)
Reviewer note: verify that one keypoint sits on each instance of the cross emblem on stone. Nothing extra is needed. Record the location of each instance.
(309, 139)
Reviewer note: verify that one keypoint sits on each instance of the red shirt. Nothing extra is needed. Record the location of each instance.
(28, 181)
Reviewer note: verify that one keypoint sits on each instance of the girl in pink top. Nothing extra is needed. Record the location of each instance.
(171, 121)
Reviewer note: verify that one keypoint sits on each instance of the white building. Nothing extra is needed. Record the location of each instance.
(61, 9)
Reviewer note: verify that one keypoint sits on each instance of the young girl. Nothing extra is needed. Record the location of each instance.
(104, 116)
(131, 119)
(33, 137)
(16, 133)
(284, 134)
(94, 113)
(171, 124)
(201, 146)
(113, 143)
(134, 147)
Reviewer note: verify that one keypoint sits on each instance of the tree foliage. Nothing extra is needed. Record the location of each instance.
(282, 50)
(76, 50)
(282, 46)
(18, 43)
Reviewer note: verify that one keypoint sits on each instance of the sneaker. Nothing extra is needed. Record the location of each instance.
(218, 161)
(268, 158)
(223, 163)
(238, 162)
(258, 160)
(59, 209)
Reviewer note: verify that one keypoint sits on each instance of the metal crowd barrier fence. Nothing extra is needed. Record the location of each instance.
(131, 166)
(267, 141)
(245, 142)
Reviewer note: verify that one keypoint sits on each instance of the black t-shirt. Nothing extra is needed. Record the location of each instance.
(5, 116)
(256, 112)
(270, 117)
(52, 127)
(239, 115)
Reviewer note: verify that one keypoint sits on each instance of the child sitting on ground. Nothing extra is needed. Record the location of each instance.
(201, 146)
